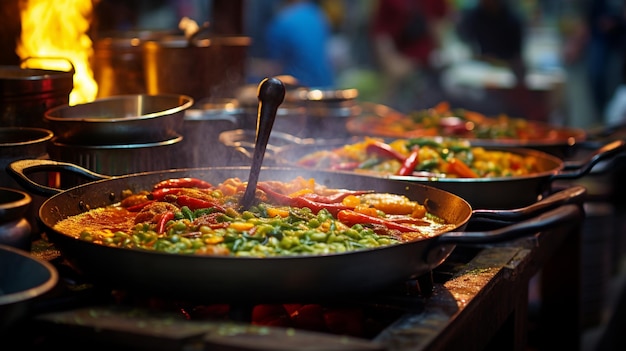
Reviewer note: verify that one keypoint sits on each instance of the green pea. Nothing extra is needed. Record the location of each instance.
(319, 237)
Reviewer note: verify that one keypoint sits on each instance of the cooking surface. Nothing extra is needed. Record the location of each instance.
(437, 311)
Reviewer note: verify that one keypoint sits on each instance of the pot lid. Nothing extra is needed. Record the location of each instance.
(16, 81)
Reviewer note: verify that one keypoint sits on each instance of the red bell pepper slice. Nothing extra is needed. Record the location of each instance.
(409, 163)
(183, 183)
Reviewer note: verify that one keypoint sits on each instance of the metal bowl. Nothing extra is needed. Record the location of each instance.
(23, 278)
(135, 118)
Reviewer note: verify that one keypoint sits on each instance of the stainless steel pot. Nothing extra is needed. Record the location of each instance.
(201, 129)
(18, 143)
(25, 94)
(116, 159)
(204, 68)
(122, 119)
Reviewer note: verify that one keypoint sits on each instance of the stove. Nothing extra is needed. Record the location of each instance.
(476, 298)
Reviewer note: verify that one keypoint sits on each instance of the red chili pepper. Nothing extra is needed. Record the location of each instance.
(350, 218)
(139, 207)
(458, 167)
(409, 163)
(183, 183)
(194, 203)
(301, 201)
(315, 207)
(334, 198)
(282, 199)
(162, 220)
(159, 194)
(384, 150)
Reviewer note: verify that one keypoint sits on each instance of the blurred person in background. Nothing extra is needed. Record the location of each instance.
(605, 50)
(297, 42)
(406, 37)
(495, 34)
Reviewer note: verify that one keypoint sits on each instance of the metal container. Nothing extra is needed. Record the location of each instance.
(118, 159)
(201, 129)
(15, 230)
(204, 68)
(25, 94)
(305, 112)
(118, 61)
(122, 119)
(18, 143)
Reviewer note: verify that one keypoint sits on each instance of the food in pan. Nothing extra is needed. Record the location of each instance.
(443, 120)
(430, 157)
(297, 217)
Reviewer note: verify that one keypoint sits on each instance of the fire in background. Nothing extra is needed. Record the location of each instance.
(55, 34)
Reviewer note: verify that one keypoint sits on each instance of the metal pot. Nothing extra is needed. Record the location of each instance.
(25, 94)
(118, 159)
(201, 129)
(203, 68)
(18, 143)
(15, 230)
(23, 280)
(297, 278)
(120, 119)
(118, 61)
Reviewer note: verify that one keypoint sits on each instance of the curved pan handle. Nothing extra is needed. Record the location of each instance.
(547, 220)
(574, 194)
(575, 171)
(20, 170)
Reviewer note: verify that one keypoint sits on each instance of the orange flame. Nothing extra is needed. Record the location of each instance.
(54, 34)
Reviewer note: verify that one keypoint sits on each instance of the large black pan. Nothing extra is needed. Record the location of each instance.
(490, 193)
(218, 278)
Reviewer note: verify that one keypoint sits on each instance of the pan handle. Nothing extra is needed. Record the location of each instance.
(548, 220)
(573, 194)
(21, 169)
(574, 170)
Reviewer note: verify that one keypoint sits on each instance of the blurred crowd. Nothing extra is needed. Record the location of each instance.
(557, 60)
(398, 52)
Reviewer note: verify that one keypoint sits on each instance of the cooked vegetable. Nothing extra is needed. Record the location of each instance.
(298, 217)
(443, 120)
(432, 157)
